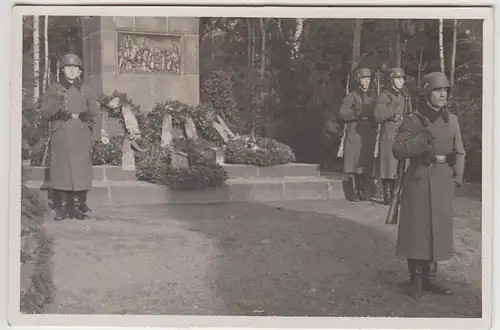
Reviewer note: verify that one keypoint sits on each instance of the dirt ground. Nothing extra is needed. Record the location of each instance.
(313, 258)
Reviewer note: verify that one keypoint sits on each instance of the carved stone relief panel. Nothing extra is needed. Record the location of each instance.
(143, 53)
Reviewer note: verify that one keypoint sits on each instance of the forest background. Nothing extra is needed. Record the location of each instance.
(284, 78)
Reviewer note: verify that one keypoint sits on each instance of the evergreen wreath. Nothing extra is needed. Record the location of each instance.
(154, 163)
(258, 151)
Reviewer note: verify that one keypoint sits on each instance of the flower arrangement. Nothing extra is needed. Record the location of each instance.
(258, 151)
(109, 153)
(154, 162)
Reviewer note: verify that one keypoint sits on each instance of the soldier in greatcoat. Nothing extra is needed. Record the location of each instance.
(356, 111)
(389, 109)
(75, 118)
(430, 137)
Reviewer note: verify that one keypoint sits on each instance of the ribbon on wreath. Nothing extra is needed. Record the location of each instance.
(223, 130)
(133, 132)
(178, 158)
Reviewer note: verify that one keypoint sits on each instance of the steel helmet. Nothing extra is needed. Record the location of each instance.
(432, 81)
(397, 73)
(363, 72)
(71, 59)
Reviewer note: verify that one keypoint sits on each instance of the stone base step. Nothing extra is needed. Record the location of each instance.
(116, 173)
(235, 190)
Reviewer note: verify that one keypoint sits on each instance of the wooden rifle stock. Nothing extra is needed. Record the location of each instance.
(393, 214)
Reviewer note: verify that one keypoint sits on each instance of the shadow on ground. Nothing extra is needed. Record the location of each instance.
(302, 258)
(282, 262)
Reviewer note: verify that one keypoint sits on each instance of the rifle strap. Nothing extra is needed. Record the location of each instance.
(420, 117)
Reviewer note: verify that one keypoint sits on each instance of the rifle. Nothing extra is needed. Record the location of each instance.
(393, 214)
(377, 140)
(47, 144)
(340, 152)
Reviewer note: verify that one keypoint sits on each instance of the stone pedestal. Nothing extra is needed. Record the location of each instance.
(152, 59)
(149, 58)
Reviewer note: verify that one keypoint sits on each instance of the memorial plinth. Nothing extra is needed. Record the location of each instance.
(152, 59)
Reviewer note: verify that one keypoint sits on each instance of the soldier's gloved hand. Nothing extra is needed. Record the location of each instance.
(63, 115)
(428, 156)
(458, 181)
(85, 116)
(451, 158)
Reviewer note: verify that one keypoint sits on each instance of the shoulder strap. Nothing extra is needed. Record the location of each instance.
(421, 118)
(356, 97)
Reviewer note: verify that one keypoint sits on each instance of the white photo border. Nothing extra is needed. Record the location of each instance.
(15, 318)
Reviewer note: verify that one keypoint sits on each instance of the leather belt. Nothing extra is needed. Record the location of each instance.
(440, 159)
(437, 159)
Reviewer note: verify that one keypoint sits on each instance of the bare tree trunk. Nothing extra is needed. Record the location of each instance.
(398, 44)
(36, 58)
(57, 69)
(453, 58)
(46, 53)
(213, 40)
(441, 47)
(254, 102)
(249, 48)
(263, 52)
(356, 43)
(299, 29)
(419, 67)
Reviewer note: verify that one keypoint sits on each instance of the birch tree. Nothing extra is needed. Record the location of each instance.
(36, 59)
(356, 43)
(299, 29)
(453, 57)
(46, 72)
(441, 47)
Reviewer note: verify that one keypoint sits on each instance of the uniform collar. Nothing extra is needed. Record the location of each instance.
(428, 111)
(67, 84)
(391, 89)
(360, 91)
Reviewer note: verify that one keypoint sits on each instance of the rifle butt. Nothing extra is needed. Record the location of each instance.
(340, 152)
(393, 215)
(376, 151)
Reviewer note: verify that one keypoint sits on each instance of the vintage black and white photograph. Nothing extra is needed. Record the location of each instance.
(288, 165)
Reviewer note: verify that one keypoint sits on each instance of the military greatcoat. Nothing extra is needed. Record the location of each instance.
(71, 140)
(389, 110)
(356, 111)
(425, 228)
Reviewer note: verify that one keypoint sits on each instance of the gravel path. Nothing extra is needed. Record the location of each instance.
(311, 258)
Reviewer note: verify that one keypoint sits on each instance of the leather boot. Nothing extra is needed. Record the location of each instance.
(429, 282)
(82, 202)
(58, 204)
(386, 191)
(392, 187)
(351, 187)
(416, 290)
(360, 186)
(411, 269)
(72, 207)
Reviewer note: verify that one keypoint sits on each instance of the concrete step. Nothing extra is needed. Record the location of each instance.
(128, 192)
(116, 173)
(277, 171)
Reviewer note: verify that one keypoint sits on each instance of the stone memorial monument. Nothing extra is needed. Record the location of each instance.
(151, 59)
